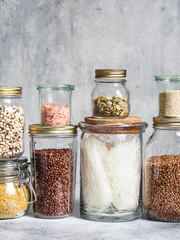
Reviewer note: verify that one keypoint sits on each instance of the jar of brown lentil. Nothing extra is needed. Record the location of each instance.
(161, 185)
(15, 188)
(11, 122)
(53, 154)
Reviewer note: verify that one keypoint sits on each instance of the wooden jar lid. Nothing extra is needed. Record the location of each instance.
(130, 119)
(129, 125)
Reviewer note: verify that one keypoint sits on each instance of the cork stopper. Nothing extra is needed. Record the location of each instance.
(129, 125)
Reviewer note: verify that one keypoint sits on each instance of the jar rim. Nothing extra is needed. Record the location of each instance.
(49, 87)
(171, 78)
(11, 166)
(113, 128)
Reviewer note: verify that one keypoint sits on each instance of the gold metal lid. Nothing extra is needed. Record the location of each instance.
(110, 73)
(42, 129)
(166, 122)
(4, 90)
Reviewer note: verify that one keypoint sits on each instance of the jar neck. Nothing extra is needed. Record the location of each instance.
(110, 80)
(10, 96)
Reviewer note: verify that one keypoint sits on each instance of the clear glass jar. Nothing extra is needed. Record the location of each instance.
(111, 155)
(11, 122)
(53, 154)
(15, 188)
(161, 168)
(169, 95)
(110, 98)
(55, 104)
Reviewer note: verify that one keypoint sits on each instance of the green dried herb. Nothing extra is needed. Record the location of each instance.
(110, 107)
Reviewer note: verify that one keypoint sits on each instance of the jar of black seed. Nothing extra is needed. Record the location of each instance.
(11, 122)
(53, 156)
(161, 172)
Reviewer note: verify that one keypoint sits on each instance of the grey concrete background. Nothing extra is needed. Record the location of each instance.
(63, 41)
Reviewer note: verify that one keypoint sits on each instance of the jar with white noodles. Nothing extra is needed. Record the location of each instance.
(111, 156)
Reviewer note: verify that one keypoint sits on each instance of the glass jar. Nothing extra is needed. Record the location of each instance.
(110, 98)
(169, 95)
(15, 188)
(111, 153)
(11, 122)
(161, 188)
(53, 154)
(55, 104)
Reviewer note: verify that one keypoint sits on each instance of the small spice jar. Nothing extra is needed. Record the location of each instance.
(11, 122)
(110, 98)
(111, 169)
(53, 154)
(15, 188)
(161, 168)
(169, 95)
(55, 104)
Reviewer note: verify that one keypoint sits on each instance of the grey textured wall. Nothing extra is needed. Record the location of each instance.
(63, 41)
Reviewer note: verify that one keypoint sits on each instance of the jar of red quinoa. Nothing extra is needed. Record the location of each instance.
(161, 185)
(55, 104)
(53, 154)
(11, 122)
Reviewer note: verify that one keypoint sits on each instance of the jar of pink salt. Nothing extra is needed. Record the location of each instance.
(55, 104)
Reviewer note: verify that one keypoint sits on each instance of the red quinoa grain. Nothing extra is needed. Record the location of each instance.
(54, 182)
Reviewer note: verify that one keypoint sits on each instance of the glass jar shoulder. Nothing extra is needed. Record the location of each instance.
(163, 142)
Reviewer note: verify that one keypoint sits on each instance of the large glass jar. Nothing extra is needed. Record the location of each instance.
(53, 154)
(111, 154)
(110, 98)
(169, 95)
(55, 104)
(161, 188)
(11, 122)
(15, 188)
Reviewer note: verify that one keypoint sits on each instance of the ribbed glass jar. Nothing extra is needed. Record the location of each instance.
(53, 156)
(111, 154)
(11, 122)
(110, 97)
(161, 172)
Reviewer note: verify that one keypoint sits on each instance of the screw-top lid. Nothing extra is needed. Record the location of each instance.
(166, 122)
(42, 129)
(12, 91)
(110, 73)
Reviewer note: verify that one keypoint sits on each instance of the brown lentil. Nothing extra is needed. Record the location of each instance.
(162, 187)
(12, 131)
(54, 182)
(12, 200)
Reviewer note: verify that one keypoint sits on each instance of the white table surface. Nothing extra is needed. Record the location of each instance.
(73, 227)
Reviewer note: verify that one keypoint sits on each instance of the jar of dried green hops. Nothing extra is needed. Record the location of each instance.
(110, 98)
(15, 188)
(161, 172)
(169, 95)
